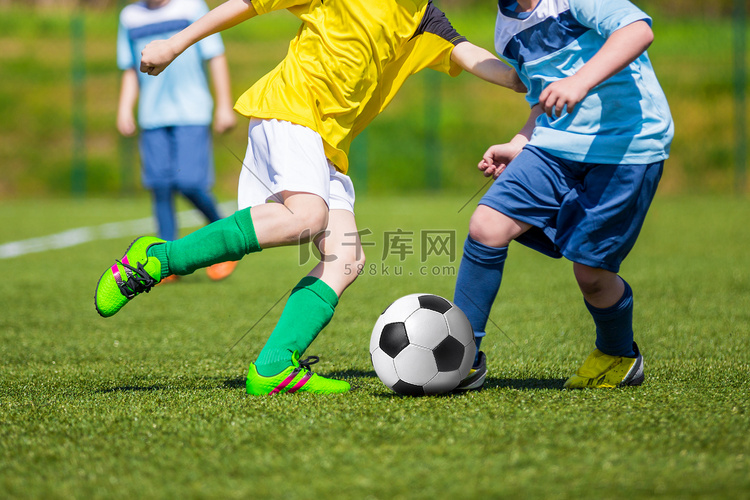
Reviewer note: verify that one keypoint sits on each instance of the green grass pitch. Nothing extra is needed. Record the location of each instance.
(151, 403)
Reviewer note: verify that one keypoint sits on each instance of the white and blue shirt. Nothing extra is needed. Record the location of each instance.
(623, 120)
(180, 95)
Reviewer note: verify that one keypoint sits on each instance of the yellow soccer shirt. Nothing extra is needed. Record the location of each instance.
(347, 62)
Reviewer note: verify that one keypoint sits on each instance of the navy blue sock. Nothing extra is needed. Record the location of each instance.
(614, 325)
(165, 213)
(477, 283)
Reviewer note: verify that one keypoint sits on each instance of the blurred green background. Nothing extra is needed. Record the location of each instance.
(59, 90)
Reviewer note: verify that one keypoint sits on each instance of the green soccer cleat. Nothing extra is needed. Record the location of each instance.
(296, 378)
(604, 371)
(475, 379)
(140, 274)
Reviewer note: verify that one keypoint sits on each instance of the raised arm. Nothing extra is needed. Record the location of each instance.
(622, 47)
(482, 63)
(157, 55)
(224, 116)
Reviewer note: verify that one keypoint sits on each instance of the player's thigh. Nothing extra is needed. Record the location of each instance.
(194, 166)
(157, 157)
(493, 228)
(600, 220)
(526, 194)
(282, 156)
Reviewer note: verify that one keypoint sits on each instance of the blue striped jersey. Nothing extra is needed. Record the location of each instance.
(623, 120)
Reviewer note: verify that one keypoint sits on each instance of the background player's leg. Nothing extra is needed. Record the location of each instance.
(166, 221)
(204, 201)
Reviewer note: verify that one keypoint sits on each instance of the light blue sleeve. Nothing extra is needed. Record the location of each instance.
(124, 50)
(606, 16)
(212, 45)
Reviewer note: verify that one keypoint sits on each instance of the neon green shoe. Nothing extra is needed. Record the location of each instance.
(603, 370)
(296, 378)
(141, 274)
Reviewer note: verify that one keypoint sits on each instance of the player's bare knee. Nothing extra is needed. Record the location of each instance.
(493, 228)
(485, 231)
(352, 261)
(591, 281)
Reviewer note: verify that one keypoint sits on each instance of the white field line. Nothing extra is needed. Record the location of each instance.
(111, 230)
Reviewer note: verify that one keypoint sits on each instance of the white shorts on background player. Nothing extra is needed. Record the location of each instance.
(284, 156)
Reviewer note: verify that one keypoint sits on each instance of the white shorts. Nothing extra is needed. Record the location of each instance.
(283, 156)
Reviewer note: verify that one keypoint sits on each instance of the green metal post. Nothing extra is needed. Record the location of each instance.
(78, 80)
(740, 83)
(433, 151)
(127, 148)
(358, 162)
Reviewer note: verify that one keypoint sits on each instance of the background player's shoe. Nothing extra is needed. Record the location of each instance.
(172, 278)
(133, 274)
(475, 379)
(603, 370)
(296, 378)
(222, 270)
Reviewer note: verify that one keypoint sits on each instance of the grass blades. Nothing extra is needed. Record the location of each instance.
(151, 403)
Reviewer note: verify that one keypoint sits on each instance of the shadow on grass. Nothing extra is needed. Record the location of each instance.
(198, 383)
(135, 388)
(523, 384)
(526, 384)
(239, 383)
(235, 383)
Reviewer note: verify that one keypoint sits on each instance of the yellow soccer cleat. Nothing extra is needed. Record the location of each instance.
(604, 371)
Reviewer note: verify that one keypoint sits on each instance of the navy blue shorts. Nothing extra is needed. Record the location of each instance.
(589, 213)
(177, 157)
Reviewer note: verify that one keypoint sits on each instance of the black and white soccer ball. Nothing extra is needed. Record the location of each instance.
(422, 344)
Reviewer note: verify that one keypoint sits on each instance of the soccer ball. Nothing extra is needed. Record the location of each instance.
(422, 344)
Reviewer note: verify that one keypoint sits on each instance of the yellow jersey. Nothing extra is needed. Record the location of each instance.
(347, 62)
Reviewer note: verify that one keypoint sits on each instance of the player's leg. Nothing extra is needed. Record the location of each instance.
(609, 299)
(480, 274)
(164, 210)
(520, 202)
(616, 361)
(616, 199)
(296, 217)
(312, 303)
(149, 260)
(308, 310)
(482, 263)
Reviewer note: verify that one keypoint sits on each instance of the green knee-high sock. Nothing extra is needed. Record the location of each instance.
(226, 239)
(309, 309)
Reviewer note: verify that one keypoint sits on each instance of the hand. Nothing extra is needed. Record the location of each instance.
(224, 119)
(126, 124)
(156, 56)
(565, 93)
(496, 158)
